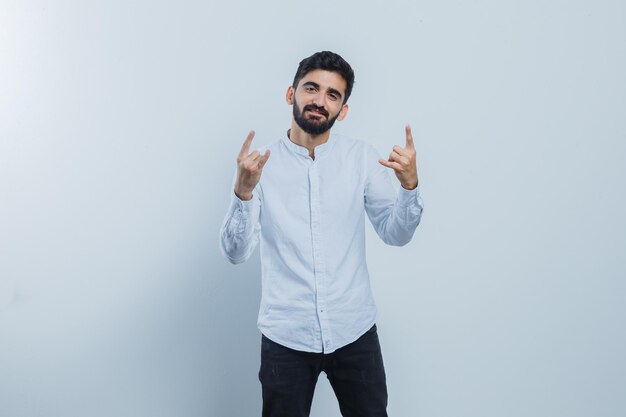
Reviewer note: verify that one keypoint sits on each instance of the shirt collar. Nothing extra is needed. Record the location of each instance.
(301, 150)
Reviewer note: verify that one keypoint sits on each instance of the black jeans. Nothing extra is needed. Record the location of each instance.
(356, 374)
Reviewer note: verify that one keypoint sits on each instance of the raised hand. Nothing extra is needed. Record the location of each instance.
(249, 169)
(402, 161)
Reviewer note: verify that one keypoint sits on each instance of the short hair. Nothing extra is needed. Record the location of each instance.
(329, 61)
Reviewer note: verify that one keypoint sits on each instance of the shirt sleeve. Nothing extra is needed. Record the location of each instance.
(239, 234)
(394, 214)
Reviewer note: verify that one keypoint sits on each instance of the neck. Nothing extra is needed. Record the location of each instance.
(306, 140)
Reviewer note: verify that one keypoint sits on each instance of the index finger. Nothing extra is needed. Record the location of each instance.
(246, 144)
(409, 137)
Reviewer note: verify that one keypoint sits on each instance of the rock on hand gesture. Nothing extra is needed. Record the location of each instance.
(403, 162)
(249, 169)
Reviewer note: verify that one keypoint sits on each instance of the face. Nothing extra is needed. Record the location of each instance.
(318, 101)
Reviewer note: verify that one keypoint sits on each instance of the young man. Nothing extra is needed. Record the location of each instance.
(307, 204)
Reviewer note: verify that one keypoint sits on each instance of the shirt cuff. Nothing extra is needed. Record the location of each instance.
(408, 197)
(241, 212)
(244, 205)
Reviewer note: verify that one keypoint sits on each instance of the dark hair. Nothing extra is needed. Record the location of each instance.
(328, 61)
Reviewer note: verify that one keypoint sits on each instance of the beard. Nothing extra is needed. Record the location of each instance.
(313, 126)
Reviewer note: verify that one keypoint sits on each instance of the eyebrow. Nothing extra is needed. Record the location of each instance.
(333, 91)
(312, 84)
(316, 85)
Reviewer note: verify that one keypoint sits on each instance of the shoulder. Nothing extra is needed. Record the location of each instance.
(350, 145)
(272, 146)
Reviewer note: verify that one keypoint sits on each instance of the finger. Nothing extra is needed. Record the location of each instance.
(390, 164)
(246, 144)
(400, 151)
(264, 158)
(409, 137)
(253, 156)
(398, 158)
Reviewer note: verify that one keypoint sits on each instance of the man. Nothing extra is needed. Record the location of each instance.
(307, 207)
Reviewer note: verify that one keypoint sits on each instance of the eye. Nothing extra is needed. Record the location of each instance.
(333, 96)
(309, 89)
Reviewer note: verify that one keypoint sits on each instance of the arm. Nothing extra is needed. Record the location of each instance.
(395, 216)
(240, 230)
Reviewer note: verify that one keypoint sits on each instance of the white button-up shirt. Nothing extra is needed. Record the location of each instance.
(309, 215)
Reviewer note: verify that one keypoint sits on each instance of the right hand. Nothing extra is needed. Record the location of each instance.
(249, 169)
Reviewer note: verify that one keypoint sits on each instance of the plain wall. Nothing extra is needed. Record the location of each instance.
(119, 126)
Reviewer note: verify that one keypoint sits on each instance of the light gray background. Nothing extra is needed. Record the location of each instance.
(119, 125)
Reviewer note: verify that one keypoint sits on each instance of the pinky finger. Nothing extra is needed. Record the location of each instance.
(264, 158)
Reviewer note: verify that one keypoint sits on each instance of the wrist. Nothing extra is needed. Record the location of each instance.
(409, 185)
(243, 196)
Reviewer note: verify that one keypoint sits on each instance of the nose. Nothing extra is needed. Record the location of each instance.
(320, 99)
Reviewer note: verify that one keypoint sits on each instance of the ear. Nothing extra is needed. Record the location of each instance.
(289, 95)
(343, 112)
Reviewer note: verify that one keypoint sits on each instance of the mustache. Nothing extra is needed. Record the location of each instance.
(313, 107)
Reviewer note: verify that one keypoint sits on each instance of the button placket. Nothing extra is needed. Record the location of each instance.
(318, 257)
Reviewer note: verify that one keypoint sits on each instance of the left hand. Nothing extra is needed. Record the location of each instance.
(402, 161)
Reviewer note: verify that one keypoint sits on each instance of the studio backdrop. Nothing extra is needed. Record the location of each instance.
(120, 123)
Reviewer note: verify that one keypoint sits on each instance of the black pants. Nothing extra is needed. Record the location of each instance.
(356, 374)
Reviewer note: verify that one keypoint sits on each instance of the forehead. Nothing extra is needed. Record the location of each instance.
(325, 79)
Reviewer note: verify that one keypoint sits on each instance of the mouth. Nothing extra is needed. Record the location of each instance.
(316, 113)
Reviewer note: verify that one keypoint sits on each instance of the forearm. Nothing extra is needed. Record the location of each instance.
(239, 233)
(395, 222)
